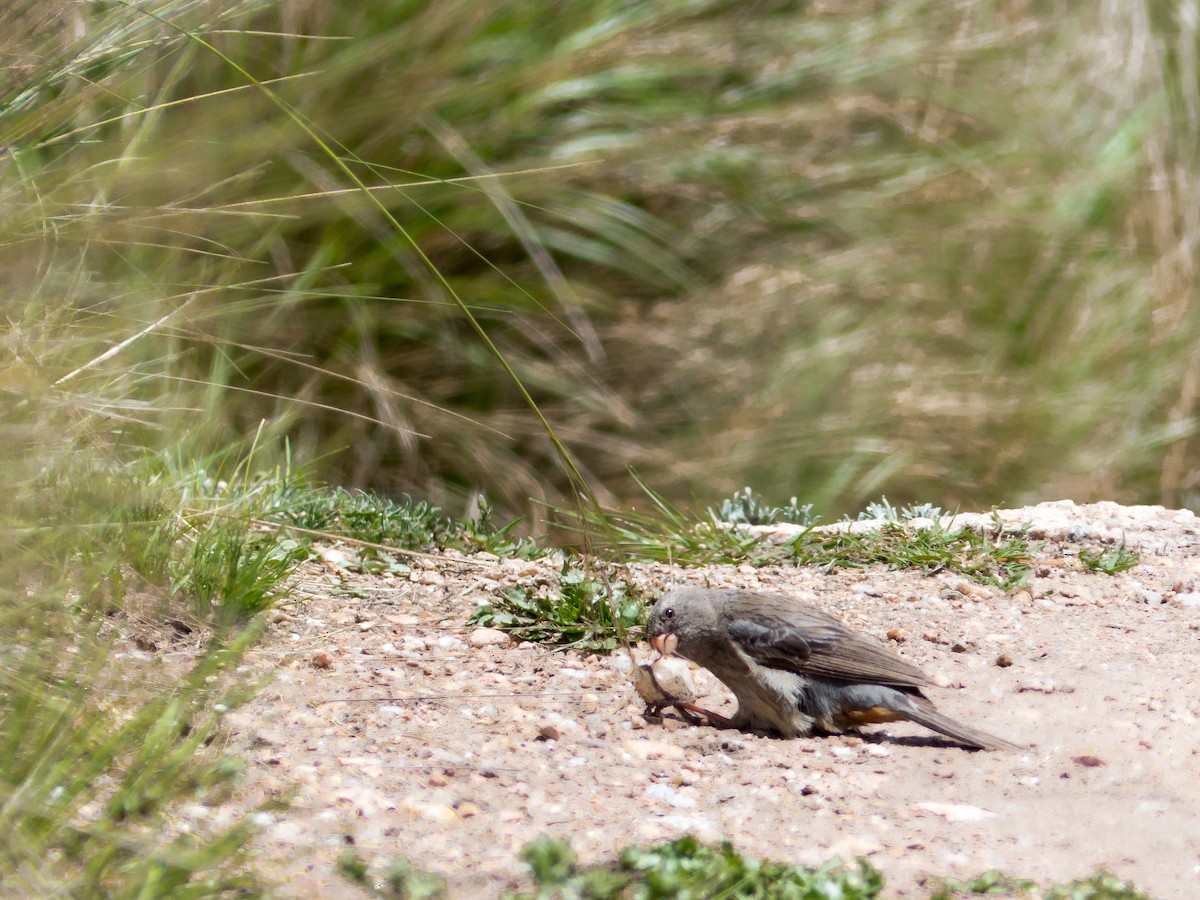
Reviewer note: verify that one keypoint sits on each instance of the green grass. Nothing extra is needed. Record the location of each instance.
(1101, 886)
(685, 868)
(119, 664)
(1006, 562)
(668, 534)
(583, 611)
(1110, 561)
(400, 880)
(378, 525)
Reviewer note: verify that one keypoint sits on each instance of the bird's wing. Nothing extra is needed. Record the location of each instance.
(782, 634)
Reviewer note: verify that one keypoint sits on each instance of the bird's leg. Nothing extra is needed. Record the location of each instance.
(665, 644)
(691, 712)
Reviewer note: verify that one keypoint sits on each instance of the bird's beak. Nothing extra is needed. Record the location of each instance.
(664, 643)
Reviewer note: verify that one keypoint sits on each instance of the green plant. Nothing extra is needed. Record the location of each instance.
(96, 759)
(378, 529)
(748, 508)
(1101, 886)
(1111, 561)
(481, 533)
(583, 612)
(233, 571)
(669, 534)
(685, 868)
(884, 510)
(1005, 562)
(401, 880)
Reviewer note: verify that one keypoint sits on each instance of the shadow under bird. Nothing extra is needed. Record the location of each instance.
(795, 670)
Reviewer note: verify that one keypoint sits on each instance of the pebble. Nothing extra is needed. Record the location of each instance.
(648, 749)
(955, 812)
(288, 833)
(1150, 598)
(703, 829)
(449, 642)
(434, 812)
(665, 792)
(487, 637)
(1043, 686)
(322, 660)
(1189, 599)
(621, 663)
(665, 679)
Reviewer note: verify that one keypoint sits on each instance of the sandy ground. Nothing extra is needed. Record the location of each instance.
(400, 731)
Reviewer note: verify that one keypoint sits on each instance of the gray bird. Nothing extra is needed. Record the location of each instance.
(794, 669)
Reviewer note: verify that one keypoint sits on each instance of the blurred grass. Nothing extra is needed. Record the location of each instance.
(831, 250)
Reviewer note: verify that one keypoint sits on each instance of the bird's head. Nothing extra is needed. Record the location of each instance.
(681, 619)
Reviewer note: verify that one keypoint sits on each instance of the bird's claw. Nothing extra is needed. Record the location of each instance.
(689, 712)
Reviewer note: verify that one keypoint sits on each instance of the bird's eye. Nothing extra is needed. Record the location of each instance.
(669, 612)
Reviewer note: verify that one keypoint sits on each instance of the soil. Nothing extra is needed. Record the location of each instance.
(397, 730)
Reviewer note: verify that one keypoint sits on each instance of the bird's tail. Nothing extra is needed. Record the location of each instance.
(926, 715)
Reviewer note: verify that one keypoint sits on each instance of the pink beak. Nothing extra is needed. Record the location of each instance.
(664, 643)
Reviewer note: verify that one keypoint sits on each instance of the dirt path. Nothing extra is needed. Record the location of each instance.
(399, 736)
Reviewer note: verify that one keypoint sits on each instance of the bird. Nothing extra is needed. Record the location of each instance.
(796, 671)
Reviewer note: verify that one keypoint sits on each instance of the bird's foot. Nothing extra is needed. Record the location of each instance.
(691, 713)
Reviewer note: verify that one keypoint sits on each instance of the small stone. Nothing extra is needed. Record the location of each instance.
(487, 637)
(897, 635)
(447, 642)
(322, 660)
(467, 809)
(701, 828)
(621, 663)
(1088, 761)
(666, 679)
(1189, 599)
(549, 732)
(434, 812)
(670, 795)
(652, 749)
(1004, 660)
(1043, 686)
(1150, 598)
(955, 812)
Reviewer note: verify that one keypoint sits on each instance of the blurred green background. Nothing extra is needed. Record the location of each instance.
(942, 252)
